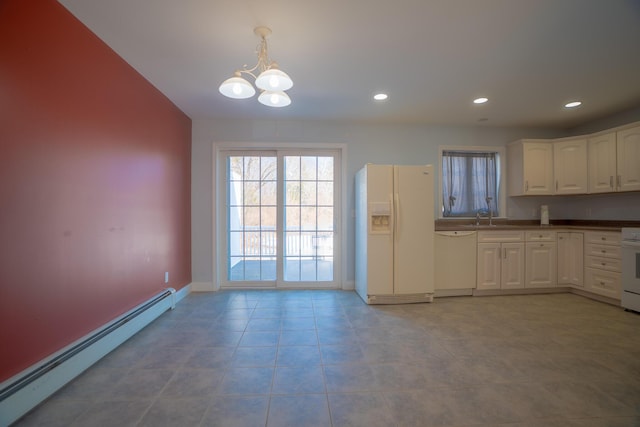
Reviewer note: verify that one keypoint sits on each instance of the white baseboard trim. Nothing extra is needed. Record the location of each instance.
(596, 297)
(181, 294)
(348, 285)
(438, 293)
(24, 391)
(522, 291)
(202, 287)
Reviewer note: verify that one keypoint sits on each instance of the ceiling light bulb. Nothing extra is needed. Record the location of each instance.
(274, 99)
(380, 96)
(480, 100)
(573, 104)
(274, 79)
(237, 88)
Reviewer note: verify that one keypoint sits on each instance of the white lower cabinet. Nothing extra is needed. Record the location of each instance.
(500, 260)
(541, 265)
(541, 259)
(602, 259)
(589, 260)
(571, 259)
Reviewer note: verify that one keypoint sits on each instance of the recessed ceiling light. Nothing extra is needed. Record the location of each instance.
(480, 100)
(573, 104)
(380, 96)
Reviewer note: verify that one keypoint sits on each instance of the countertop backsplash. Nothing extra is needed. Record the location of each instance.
(610, 206)
(502, 224)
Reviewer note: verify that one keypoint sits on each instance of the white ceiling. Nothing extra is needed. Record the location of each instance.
(432, 57)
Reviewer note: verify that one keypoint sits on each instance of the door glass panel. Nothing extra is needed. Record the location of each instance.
(252, 218)
(308, 193)
(309, 225)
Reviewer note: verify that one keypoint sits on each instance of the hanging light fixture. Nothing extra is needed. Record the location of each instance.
(271, 81)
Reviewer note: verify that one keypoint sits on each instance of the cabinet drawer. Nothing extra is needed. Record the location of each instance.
(601, 282)
(605, 251)
(540, 236)
(602, 237)
(609, 264)
(500, 236)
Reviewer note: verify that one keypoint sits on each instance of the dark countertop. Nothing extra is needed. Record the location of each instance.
(468, 224)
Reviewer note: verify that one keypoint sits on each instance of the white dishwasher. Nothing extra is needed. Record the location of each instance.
(455, 263)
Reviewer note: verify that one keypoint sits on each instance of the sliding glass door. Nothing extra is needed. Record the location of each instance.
(251, 217)
(281, 219)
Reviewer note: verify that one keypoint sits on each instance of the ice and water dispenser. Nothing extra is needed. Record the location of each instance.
(380, 217)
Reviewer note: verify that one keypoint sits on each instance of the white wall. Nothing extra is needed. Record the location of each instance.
(366, 143)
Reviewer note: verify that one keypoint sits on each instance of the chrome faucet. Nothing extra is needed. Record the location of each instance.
(489, 199)
(477, 217)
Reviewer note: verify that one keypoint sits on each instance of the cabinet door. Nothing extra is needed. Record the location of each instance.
(570, 259)
(570, 166)
(602, 163)
(541, 265)
(512, 268)
(538, 168)
(628, 154)
(488, 266)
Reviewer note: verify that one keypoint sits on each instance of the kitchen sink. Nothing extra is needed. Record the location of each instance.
(481, 226)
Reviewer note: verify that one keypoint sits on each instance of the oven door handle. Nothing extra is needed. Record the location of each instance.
(630, 244)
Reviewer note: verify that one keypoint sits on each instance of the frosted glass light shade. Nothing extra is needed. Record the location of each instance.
(274, 99)
(237, 88)
(274, 80)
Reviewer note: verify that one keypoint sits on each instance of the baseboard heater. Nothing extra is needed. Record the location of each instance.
(23, 392)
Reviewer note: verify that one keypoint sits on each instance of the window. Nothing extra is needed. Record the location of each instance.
(470, 183)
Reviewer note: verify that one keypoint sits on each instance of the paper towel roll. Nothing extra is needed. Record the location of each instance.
(544, 215)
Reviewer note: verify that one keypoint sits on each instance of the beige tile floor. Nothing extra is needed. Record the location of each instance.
(324, 358)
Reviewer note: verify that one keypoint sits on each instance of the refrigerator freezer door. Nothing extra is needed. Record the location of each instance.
(380, 245)
(414, 230)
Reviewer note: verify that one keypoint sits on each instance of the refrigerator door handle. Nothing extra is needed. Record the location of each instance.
(396, 222)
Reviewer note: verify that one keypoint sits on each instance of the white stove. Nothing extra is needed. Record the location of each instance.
(630, 246)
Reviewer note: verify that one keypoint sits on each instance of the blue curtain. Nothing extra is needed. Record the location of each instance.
(469, 183)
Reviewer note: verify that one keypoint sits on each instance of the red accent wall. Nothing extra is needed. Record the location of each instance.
(94, 184)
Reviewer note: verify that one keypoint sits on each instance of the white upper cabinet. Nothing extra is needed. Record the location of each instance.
(628, 155)
(530, 168)
(570, 166)
(602, 163)
(614, 161)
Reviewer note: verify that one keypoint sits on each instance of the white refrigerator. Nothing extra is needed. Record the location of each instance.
(395, 234)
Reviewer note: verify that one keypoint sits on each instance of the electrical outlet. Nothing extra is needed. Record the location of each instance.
(533, 212)
(588, 212)
(166, 277)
